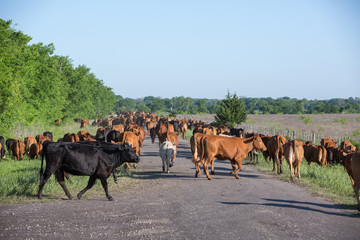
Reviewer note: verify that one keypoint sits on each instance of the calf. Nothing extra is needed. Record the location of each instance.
(98, 162)
(167, 152)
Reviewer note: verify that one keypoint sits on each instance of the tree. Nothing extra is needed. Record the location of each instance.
(231, 112)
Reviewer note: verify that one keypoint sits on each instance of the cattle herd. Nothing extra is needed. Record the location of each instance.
(119, 140)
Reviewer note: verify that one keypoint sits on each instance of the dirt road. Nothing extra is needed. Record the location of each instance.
(179, 206)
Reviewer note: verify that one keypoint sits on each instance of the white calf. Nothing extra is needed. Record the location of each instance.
(167, 152)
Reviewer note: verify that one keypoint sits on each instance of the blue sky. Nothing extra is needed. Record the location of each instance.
(201, 49)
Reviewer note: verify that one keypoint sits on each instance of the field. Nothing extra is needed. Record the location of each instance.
(336, 126)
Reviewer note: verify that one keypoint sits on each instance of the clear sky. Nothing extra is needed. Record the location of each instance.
(201, 49)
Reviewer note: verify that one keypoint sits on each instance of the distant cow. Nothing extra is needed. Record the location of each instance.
(113, 135)
(167, 153)
(294, 152)
(153, 134)
(347, 146)
(2, 143)
(9, 142)
(28, 142)
(35, 150)
(48, 135)
(85, 160)
(18, 148)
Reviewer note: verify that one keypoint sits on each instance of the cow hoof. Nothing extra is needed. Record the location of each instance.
(196, 175)
(70, 197)
(111, 199)
(209, 178)
(212, 173)
(79, 196)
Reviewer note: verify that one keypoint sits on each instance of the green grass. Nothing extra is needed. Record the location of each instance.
(330, 182)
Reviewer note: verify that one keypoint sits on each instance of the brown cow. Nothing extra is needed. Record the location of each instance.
(119, 128)
(233, 149)
(294, 152)
(352, 167)
(28, 142)
(347, 146)
(35, 150)
(328, 142)
(133, 140)
(57, 122)
(18, 148)
(276, 151)
(183, 129)
(71, 137)
(314, 153)
(83, 123)
(173, 138)
(41, 138)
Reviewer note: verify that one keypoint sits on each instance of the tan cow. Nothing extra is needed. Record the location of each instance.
(18, 148)
(347, 146)
(133, 140)
(294, 152)
(28, 142)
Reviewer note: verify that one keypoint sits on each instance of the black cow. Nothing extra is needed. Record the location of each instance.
(48, 134)
(96, 161)
(113, 135)
(153, 134)
(9, 142)
(238, 132)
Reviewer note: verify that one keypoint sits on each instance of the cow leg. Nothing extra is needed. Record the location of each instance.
(197, 167)
(114, 176)
(356, 190)
(206, 167)
(90, 184)
(212, 167)
(292, 171)
(59, 175)
(298, 170)
(127, 164)
(43, 180)
(134, 165)
(67, 177)
(105, 186)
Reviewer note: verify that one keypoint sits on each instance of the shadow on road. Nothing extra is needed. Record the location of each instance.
(300, 205)
(160, 175)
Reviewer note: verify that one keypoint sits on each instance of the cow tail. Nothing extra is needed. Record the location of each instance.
(322, 156)
(277, 150)
(42, 163)
(202, 148)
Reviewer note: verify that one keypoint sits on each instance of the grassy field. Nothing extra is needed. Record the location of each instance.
(20, 180)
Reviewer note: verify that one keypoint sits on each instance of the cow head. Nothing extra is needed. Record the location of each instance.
(128, 154)
(259, 144)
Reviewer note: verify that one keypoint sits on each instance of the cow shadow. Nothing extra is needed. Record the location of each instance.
(160, 175)
(301, 206)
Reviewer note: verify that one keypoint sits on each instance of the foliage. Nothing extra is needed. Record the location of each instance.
(231, 112)
(38, 86)
(341, 120)
(307, 119)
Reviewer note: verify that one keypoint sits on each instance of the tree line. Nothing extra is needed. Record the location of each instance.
(38, 86)
(284, 105)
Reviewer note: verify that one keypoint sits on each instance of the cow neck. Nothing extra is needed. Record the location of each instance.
(249, 143)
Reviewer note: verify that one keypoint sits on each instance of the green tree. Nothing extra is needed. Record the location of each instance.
(231, 112)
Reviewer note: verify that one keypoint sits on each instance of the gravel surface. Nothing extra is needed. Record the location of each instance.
(180, 206)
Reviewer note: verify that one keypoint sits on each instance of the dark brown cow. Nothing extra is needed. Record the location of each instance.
(294, 152)
(71, 137)
(314, 153)
(18, 148)
(57, 122)
(41, 138)
(228, 148)
(276, 151)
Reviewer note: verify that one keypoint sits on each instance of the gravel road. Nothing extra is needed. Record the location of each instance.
(179, 206)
